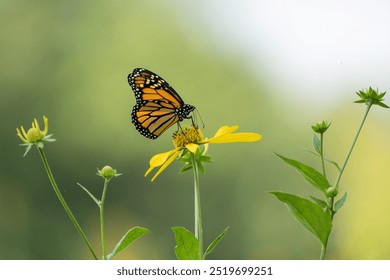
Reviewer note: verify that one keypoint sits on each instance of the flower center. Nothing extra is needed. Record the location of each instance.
(187, 135)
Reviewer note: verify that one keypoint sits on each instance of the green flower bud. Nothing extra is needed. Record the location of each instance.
(107, 172)
(332, 192)
(371, 96)
(321, 127)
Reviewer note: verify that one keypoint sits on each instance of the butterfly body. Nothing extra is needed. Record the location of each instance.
(158, 106)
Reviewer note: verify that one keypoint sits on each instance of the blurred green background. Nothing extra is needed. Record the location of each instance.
(69, 60)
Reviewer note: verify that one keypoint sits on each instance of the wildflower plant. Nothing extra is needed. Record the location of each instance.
(190, 147)
(35, 137)
(316, 215)
(107, 173)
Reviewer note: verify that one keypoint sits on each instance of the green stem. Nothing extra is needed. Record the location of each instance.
(101, 207)
(198, 213)
(341, 171)
(352, 146)
(62, 200)
(323, 252)
(322, 155)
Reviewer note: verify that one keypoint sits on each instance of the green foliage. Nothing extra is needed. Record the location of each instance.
(129, 237)
(200, 159)
(312, 176)
(317, 216)
(340, 202)
(371, 96)
(187, 246)
(215, 242)
(309, 214)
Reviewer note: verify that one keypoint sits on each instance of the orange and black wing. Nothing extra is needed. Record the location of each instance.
(158, 105)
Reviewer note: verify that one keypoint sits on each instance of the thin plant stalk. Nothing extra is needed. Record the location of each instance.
(322, 155)
(64, 204)
(101, 207)
(198, 212)
(352, 146)
(323, 252)
(341, 171)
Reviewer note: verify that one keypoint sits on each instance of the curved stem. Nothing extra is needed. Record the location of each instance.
(64, 204)
(101, 207)
(198, 212)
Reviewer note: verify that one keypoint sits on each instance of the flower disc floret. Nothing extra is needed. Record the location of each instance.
(187, 135)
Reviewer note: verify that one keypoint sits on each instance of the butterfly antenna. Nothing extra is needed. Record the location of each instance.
(200, 117)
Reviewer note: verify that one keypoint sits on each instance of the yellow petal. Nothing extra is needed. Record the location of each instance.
(225, 130)
(236, 137)
(20, 136)
(24, 132)
(165, 165)
(222, 131)
(37, 125)
(46, 122)
(159, 159)
(192, 147)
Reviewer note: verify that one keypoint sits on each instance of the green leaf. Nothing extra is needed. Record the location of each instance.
(383, 105)
(320, 202)
(90, 194)
(187, 246)
(130, 236)
(215, 242)
(334, 163)
(316, 143)
(309, 214)
(28, 148)
(315, 178)
(339, 203)
(186, 167)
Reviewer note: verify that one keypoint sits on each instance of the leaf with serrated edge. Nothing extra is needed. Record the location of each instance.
(312, 176)
(309, 214)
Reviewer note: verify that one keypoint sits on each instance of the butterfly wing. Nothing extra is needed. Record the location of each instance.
(158, 105)
(152, 118)
(149, 86)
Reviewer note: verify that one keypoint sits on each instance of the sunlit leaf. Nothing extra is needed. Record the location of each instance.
(187, 246)
(130, 236)
(309, 214)
(315, 178)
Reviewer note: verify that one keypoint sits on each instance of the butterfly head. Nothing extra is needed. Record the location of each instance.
(184, 111)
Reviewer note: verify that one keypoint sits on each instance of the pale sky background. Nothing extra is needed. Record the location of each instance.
(321, 48)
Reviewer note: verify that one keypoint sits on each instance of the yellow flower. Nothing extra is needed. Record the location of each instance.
(35, 136)
(189, 138)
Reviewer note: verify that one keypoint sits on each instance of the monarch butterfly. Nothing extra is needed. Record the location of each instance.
(158, 106)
